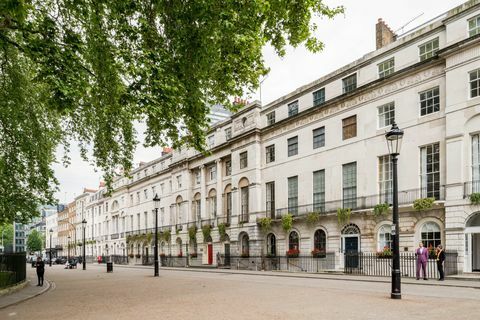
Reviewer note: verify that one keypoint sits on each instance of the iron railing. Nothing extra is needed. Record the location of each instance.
(118, 259)
(208, 222)
(13, 269)
(470, 187)
(227, 220)
(243, 218)
(371, 264)
(308, 263)
(361, 203)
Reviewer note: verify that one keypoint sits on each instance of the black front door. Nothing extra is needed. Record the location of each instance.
(351, 252)
(227, 254)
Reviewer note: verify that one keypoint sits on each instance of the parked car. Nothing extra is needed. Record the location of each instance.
(60, 260)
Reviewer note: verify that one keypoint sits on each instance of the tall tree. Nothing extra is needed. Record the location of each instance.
(87, 69)
(6, 234)
(34, 241)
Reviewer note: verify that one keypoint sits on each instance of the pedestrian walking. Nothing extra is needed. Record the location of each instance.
(440, 253)
(422, 259)
(40, 271)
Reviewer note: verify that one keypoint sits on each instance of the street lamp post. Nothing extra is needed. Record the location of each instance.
(156, 201)
(84, 223)
(51, 232)
(69, 247)
(394, 143)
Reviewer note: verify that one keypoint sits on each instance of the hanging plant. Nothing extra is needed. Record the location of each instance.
(381, 209)
(343, 215)
(265, 224)
(222, 231)
(475, 198)
(192, 233)
(313, 218)
(148, 238)
(423, 204)
(206, 231)
(287, 222)
(167, 235)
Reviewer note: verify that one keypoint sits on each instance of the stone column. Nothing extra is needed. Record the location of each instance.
(203, 192)
(219, 187)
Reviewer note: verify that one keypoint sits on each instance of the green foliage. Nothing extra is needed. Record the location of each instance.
(313, 218)
(222, 227)
(475, 198)
(7, 231)
(192, 233)
(34, 241)
(343, 215)
(129, 239)
(148, 238)
(423, 204)
(167, 235)
(265, 224)
(88, 69)
(287, 222)
(381, 209)
(206, 231)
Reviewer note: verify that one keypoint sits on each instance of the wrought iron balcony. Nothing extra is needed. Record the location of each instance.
(227, 220)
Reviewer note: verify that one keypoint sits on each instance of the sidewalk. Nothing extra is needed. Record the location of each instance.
(455, 282)
(30, 291)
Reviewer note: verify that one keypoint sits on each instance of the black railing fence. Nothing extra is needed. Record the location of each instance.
(13, 269)
(371, 264)
(119, 259)
(148, 260)
(309, 264)
(405, 197)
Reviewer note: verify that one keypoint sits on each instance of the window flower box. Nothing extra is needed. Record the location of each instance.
(293, 253)
(319, 253)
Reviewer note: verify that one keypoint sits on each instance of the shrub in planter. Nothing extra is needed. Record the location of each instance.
(319, 253)
(245, 255)
(180, 255)
(293, 253)
(423, 204)
(206, 231)
(313, 218)
(167, 235)
(130, 255)
(162, 255)
(265, 224)
(192, 233)
(222, 231)
(386, 253)
(343, 215)
(381, 209)
(475, 198)
(193, 255)
(287, 222)
(138, 256)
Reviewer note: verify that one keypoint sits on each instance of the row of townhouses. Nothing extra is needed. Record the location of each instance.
(319, 155)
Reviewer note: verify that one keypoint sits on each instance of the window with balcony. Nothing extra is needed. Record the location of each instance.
(292, 108)
(270, 153)
(349, 127)
(319, 137)
(292, 146)
(386, 68)
(319, 191)
(385, 178)
(270, 197)
(319, 97)
(350, 185)
(474, 26)
(430, 171)
(270, 118)
(349, 83)
(243, 160)
(293, 195)
(428, 49)
(474, 83)
(429, 101)
(476, 163)
(386, 115)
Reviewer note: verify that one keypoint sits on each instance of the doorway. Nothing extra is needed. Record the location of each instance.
(210, 253)
(351, 245)
(476, 252)
(227, 254)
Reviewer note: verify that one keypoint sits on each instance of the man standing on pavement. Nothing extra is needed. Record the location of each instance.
(422, 258)
(40, 271)
(440, 260)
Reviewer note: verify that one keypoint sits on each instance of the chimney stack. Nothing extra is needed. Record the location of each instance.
(384, 35)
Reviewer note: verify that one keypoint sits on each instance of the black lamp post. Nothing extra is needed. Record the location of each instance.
(51, 232)
(156, 201)
(394, 142)
(84, 223)
(69, 247)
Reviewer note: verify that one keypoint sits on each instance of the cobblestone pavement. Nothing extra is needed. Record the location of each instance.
(132, 293)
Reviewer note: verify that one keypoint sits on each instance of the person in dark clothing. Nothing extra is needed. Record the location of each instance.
(40, 271)
(440, 260)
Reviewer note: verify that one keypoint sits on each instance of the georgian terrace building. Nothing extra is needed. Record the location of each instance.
(322, 149)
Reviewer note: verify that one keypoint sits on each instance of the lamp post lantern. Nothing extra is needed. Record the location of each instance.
(84, 223)
(50, 232)
(156, 201)
(394, 143)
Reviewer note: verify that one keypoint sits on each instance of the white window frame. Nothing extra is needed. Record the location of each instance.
(424, 173)
(428, 54)
(291, 107)
(270, 118)
(383, 114)
(476, 28)
(381, 243)
(385, 179)
(388, 70)
(476, 162)
(425, 99)
(470, 83)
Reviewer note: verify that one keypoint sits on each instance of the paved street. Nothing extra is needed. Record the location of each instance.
(132, 293)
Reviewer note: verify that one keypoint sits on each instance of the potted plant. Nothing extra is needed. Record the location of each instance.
(319, 253)
(423, 204)
(193, 255)
(475, 198)
(192, 233)
(381, 209)
(206, 231)
(222, 231)
(138, 256)
(265, 224)
(130, 255)
(162, 255)
(386, 253)
(343, 215)
(313, 218)
(287, 222)
(245, 255)
(293, 253)
(180, 255)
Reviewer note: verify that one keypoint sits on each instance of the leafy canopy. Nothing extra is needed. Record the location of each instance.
(34, 241)
(86, 70)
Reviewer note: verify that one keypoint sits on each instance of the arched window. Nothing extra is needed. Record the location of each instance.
(271, 245)
(319, 243)
(431, 236)
(384, 237)
(244, 245)
(293, 241)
